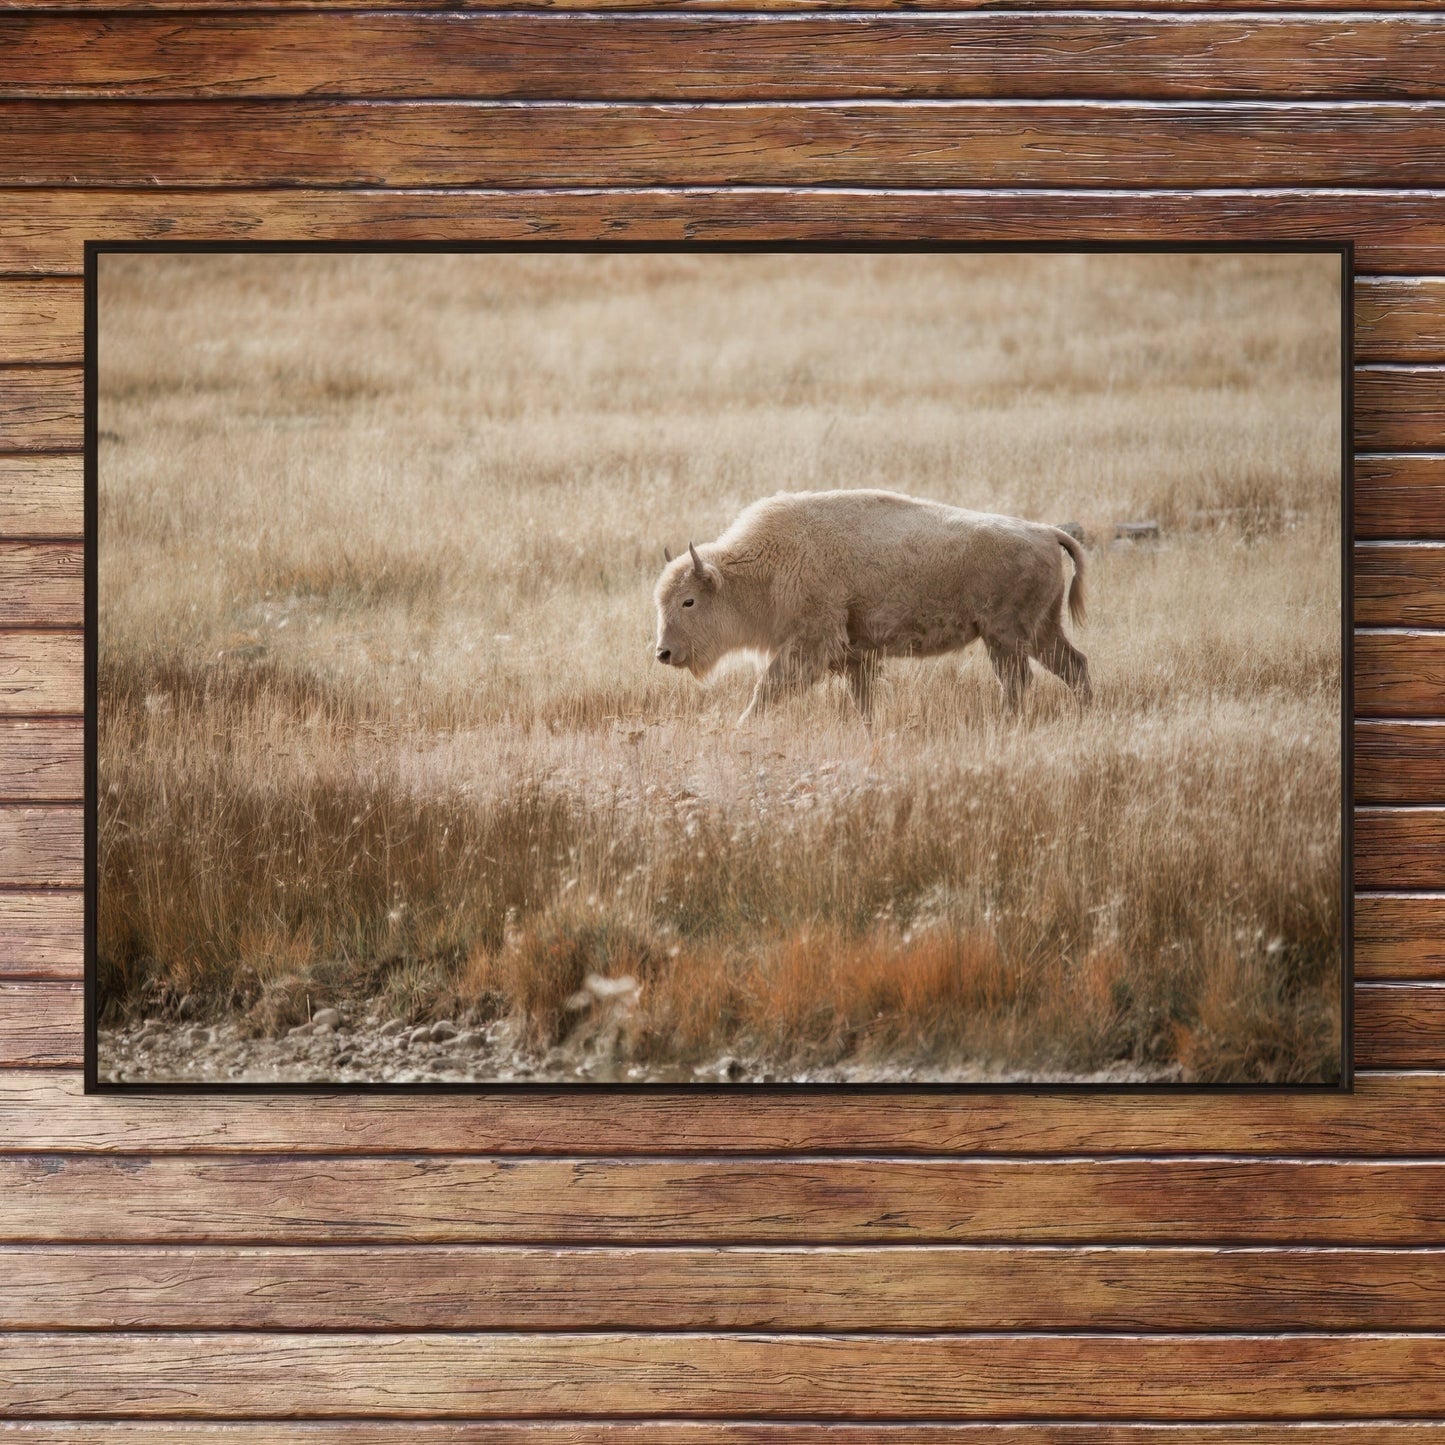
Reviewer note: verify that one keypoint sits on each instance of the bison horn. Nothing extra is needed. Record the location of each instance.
(667, 554)
(696, 560)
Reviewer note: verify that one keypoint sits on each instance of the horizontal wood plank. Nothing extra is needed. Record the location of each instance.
(41, 845)
(1399, 407)
(1400, 762)
(40, 758)
(1400, 848)
(299, 55)
(40, 672)
(431, 1200)
(1399, 674)
(1400, 495)
(40, 1024)
(1393, 1114)
(1400, 936)
(40, 319)
(41, 496)
(947, 143)
(401, 1376)
(41, 408)
(1400, 318)
(41, 584)
(908, 1289)
(713, 1432)
(707, 6)
(1400, 1025)
(40, 935)
(42, 230)
(1400, 584)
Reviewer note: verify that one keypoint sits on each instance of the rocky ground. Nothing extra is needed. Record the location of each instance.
(358, 1044)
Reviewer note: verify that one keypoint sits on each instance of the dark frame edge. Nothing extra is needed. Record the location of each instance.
(91, 511)
(93, 250)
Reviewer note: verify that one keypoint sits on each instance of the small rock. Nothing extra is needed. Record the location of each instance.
(472, 1039)
(186, 1009)
(390, 1027)
(600, 987)
(1136, 531)
(442, 1030)
(342, 1060)
(420, 1034)
(301, 1031)
(327, 1018)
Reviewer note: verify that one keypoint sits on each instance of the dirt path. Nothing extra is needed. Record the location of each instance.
(357, 1044)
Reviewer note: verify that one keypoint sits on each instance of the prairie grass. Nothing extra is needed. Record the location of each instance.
(379, 717)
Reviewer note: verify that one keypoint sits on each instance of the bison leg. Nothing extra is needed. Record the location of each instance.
(1065, 661)
(1012, 666)
(861, 673)
(787, 673)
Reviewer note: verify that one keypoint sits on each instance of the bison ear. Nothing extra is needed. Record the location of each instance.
(666, 554)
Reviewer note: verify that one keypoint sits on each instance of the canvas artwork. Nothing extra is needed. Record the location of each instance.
(729, 668)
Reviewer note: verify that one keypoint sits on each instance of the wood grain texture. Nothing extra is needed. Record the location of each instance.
(297, 55)
(1400, 407)
(1400, 318)
(41, 584)
(41, 845)
(1400, 495)
(42, 230)
(1398, 1025)
(290, 1173)
(1400, 936)
(40, 407)
(40, 935)
(1172, 1377)
(712, 1432)
(1400, 584)
(1399, 674)
(40, 759)
(863, 143)
(40, 320)
(1400, 848)
(907, 1289)
(1398, 762)
(40, 496)
(1388, 1115)
(40, 672)
(40, 1024)
(447, 1200)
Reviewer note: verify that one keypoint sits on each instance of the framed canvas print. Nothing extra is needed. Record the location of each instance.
(716, 667)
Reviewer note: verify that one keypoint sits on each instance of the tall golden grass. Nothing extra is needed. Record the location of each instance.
(379, 718)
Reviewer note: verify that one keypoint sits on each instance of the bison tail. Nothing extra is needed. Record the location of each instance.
(1076, 587)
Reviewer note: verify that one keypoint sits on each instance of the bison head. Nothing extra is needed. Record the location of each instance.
(694, 619)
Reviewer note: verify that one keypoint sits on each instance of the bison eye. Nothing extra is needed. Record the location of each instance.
(689, 602)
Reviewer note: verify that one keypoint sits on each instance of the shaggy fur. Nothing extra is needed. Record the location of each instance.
(824, 582)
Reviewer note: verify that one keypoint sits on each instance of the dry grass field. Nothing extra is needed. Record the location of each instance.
(381, 730)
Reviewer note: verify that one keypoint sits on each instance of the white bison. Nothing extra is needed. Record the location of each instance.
(821, 582)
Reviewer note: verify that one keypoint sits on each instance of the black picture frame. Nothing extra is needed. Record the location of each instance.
(94, 250)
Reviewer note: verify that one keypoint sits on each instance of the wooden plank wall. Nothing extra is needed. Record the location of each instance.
(1119, 1270)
